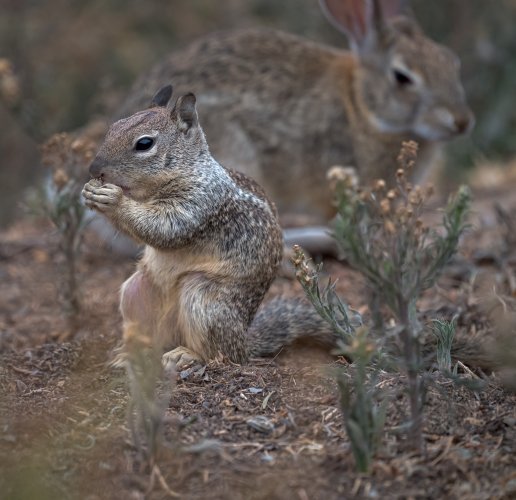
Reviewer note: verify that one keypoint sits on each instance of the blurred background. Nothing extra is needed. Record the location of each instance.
(65, 62)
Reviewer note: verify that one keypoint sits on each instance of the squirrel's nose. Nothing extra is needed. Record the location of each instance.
(96, 167)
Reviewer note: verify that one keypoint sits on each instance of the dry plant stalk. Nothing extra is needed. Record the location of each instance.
(150, 391)
(382, 234)
(362, 403)
(326, 302)
(61, 203)
(363, 406)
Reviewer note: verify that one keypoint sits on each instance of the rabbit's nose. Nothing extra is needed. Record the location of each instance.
(464, 123)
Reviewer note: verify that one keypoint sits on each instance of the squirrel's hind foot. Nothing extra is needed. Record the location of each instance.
(179, 359)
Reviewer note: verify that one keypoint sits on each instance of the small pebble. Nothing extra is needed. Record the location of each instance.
(261, 424)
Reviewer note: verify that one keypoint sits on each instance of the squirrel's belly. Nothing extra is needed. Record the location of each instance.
(167, 269)
(149, 312)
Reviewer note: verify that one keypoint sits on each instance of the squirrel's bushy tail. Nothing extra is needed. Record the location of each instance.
(281, 321)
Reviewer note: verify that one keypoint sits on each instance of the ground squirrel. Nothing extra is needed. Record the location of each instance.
(212, 239)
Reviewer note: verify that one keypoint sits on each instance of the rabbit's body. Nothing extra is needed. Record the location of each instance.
(276, 118)
(284, 109)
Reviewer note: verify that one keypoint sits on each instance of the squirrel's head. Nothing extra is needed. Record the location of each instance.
(141, 152)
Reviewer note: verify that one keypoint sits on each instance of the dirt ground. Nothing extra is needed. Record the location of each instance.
(63, 426)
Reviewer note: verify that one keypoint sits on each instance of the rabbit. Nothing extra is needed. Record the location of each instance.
(283, 109)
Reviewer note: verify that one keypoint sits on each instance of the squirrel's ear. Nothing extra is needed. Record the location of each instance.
(185, 112)
(162, 97)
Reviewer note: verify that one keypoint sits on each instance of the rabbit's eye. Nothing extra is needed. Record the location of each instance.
(402, 78)
(144, 143)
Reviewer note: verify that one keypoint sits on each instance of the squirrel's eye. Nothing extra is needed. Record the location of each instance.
(144, 144)
(402, 78)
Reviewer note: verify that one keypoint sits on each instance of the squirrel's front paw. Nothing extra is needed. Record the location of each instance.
(102, 198)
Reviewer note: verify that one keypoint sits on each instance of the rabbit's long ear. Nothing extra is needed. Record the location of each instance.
(361, 20)
(390, 8)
